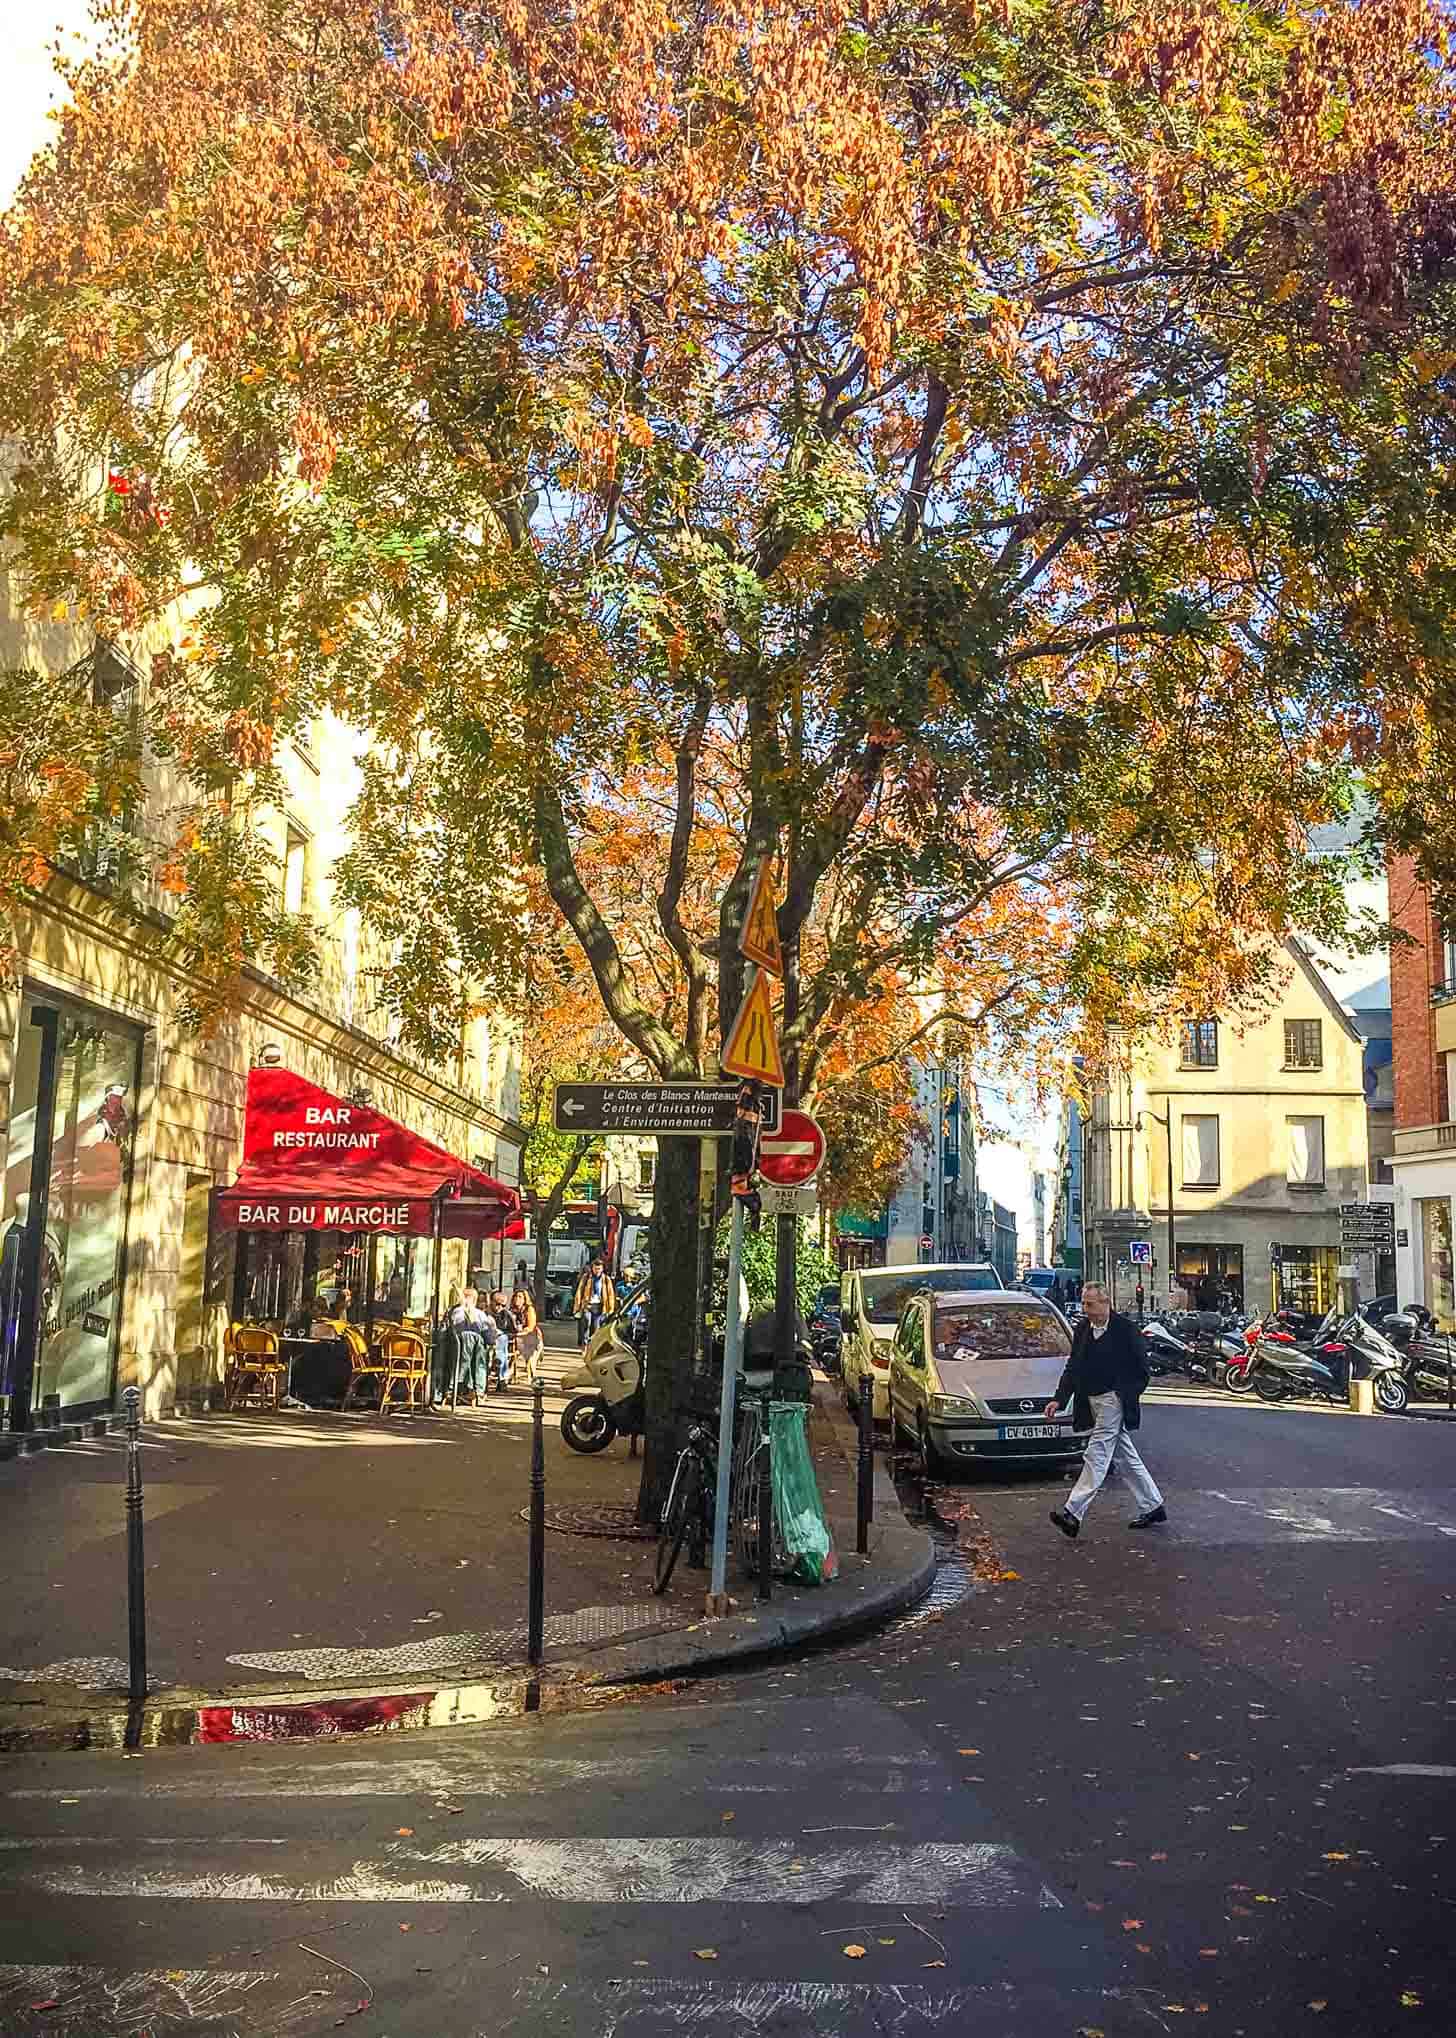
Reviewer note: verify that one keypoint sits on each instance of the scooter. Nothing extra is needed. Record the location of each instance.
(1169, 1353)
(1284, 1371)
(1428, 1364)
(608, 1395)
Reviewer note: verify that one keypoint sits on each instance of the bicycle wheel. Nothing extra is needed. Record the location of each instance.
(681, 1508)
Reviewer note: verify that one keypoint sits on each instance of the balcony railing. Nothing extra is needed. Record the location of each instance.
(1417, 1139)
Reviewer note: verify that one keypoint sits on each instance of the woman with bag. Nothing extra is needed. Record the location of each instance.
(529, 1342)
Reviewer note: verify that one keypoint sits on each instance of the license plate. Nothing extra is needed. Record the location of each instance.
(1010, 1431)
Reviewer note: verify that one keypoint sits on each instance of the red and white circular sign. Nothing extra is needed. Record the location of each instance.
(794, 1154)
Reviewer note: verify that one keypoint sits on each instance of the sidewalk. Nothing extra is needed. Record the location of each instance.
(312, 1554)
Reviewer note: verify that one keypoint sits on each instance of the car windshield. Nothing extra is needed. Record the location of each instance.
(1002, 1333)
(885, 1295)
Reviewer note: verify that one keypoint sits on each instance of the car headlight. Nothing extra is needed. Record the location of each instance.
(952, 1404)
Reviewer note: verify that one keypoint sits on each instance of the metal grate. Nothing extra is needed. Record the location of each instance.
(618, 1522)
(588, 1624)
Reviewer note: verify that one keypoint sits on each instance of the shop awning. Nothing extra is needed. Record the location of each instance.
(315, 1162)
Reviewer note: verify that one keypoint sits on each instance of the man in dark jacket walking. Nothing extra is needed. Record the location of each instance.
(1104, 1378)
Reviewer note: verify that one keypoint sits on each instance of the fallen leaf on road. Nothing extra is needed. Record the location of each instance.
(1090, 2031)
(1140, 1947)
(1241, 1910)
(886, 1942)
(1122, 1864)
(932, 1963)
(404, 1832)
(1335, 1857)
(1266, 1899)
(1409, 2000)
(854, 1952)
(1132, 1924)
(968, 1751)
(639, 1963)
(452, 1807)
(706, 1953)
(1318, 2003)
(406, 1928)
(1195, 1758)
(1093, 1906)
(1010, 1577)
(50, 2003)
(1178, 2009)
(1208, 1953)
(1157, 1857)
(728, 1817)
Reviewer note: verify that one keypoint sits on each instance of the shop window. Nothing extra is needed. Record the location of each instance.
(1303, 1044)
(1304, 1278)
(1212, 1276)
(1200, 1044)
(1200, 1152)
(1436, 1259)
(1306, 1169)
(90, 1130)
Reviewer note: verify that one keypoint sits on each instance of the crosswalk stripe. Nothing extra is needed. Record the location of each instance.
(92, 2000)
(950, 1875)
(613, 2009)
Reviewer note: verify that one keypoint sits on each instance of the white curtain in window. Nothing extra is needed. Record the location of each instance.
(1200, 1149)
(1306, 1149)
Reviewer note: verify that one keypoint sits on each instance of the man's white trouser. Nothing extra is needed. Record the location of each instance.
(1110, 1439)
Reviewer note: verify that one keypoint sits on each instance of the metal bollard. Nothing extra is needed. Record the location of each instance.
(536, 1600)
(865, 1497)
(765, 1510)
(136, 1572)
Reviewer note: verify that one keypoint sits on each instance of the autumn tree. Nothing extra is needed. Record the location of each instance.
(998, 455)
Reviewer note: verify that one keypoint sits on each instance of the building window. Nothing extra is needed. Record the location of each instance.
(295, 871)
(1448, 964)
(1200, 1044)
(1200, 1152)
(1306, 1153)
(1303, 1048)
(646, 1170)
(1437, 1273)
(1212, 1276)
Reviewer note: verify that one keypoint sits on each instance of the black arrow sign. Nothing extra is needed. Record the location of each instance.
(684, 1110)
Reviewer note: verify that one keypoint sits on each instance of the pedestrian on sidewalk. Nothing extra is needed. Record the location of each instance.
(464, 1347)
(595, 1300)
(529, 1341)
(1104, 1380)
(505, 1335)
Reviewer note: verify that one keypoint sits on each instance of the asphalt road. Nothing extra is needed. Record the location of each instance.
(1197, 1780)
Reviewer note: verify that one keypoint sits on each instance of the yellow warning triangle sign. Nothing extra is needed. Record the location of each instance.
(759, 940)
(752, 1048)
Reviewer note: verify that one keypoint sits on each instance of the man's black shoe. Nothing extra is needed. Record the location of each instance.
(1067, 1523)
(1154, 1515)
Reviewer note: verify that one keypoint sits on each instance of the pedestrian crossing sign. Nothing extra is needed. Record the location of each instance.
(759, 940)
(752, 1047)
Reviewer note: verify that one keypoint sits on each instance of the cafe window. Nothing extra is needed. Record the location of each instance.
(1306, 1166)
(1200, 1044)
(1303, 1045)
(1200, 1151)
(91, 1131)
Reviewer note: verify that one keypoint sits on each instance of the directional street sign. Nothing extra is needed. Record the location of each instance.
(794, 1154)
(1368, 1225)
(688, 1110)
(759, 940)
(752, 1048)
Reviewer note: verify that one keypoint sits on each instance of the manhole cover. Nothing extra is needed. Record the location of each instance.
(619, 1522)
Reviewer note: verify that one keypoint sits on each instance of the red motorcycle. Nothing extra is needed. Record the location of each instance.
(1274, 1329)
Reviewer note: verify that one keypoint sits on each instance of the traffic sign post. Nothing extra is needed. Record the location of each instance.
(802, 1200)
(793, 1154)
(670, 1110)
(752, 1047)
(759, 941)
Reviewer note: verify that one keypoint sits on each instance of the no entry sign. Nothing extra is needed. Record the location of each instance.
(794, 1154)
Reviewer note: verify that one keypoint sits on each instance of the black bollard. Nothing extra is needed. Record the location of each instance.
(536, 1602)
(865, 1497)
(136, 1571)
(765, 1510)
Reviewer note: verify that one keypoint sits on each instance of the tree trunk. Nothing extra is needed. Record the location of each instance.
(673, 1331)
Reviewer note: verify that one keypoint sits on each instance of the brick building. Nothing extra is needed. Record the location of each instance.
(1423, 1028)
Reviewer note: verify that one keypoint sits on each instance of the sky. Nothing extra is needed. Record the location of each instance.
(28, 85)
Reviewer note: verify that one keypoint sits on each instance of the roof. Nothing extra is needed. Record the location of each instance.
(1327, 997)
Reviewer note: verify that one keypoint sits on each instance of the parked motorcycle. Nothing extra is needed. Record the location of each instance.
(608, 1396)
(1428, 1362)
(1169, 1351)
(1283, 1370)
(826, 1336)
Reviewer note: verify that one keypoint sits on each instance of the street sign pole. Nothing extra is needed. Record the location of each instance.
(732, 1365)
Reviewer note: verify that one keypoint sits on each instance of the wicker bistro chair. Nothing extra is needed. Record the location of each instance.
(404, 1361)
(252, 1354)
(363, 1364)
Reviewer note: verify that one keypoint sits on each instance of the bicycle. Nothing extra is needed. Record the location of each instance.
(688, 1509)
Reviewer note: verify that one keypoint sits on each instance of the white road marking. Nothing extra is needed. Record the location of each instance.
(807, 2009)
(1342, 1514)
(91, 2001)
(1407, 1769)
(651, 1871)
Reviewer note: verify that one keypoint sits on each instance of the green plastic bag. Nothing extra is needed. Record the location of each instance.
(798, 1509)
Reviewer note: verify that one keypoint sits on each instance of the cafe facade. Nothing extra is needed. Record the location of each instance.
(157, 1182)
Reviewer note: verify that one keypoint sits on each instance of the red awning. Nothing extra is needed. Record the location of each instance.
(313, 1162)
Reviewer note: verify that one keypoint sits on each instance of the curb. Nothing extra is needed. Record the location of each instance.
(898, 1574)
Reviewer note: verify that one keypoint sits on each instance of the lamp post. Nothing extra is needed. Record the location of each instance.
(1167, 1125)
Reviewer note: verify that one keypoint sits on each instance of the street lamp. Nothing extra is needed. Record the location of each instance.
(1167, 1125)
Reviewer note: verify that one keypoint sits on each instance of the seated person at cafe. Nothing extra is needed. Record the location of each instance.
(469, 1339)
